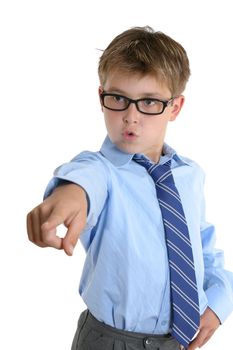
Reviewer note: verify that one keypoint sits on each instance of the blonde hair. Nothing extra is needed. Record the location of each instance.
(141, 50)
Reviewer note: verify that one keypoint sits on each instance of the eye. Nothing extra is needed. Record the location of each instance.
(118, 99)
(151, 106)
(115, 102)
(150, 102)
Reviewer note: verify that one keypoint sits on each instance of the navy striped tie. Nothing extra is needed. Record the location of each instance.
(184, 294)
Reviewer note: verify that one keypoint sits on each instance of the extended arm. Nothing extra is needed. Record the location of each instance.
(85, 189)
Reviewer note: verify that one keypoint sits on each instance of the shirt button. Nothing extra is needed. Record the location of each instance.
(164, 323)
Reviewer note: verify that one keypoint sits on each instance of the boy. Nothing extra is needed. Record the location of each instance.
(142, 289)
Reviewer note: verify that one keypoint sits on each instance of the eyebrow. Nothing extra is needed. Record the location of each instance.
(144, 94)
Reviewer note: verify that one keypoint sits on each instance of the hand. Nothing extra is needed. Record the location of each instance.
(66, 205)
(208, 325)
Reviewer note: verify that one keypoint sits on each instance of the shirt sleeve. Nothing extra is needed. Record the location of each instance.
(89, 172)
(218, 282)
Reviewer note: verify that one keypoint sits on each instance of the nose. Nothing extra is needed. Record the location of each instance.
(131, 114)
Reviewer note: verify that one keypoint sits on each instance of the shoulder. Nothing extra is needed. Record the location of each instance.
(87, 156)
(86, 161)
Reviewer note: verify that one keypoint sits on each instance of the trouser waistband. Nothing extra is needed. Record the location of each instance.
(147, 341)
(99, 326)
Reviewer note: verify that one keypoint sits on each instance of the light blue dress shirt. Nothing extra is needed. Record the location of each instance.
(125, 280)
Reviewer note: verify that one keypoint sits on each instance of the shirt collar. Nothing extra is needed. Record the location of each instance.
(120, 158)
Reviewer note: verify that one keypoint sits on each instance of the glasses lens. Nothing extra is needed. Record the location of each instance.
(151, 106)
(115, 102)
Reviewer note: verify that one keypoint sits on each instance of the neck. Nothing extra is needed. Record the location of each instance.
(154, 155)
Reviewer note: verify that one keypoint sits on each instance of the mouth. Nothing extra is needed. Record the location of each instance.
(129, 135)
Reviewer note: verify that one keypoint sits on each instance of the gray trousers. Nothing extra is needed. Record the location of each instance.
(94, 335)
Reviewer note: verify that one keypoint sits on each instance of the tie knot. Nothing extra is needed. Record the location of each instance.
(140, 159)
(159, 172)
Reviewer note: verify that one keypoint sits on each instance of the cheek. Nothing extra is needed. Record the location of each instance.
(151, 123)
(112, 117)
(155, 127)
(110, 122)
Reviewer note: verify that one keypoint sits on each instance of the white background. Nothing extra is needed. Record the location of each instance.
(49, 112)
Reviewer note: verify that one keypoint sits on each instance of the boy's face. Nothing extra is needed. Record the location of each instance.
(130, 130)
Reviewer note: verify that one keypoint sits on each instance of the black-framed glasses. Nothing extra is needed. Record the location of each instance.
(147, 105)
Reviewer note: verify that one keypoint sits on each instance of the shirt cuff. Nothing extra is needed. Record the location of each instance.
(219, 302)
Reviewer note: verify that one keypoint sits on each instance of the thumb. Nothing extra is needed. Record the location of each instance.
(71, 238)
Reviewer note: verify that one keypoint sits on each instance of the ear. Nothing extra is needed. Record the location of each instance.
(176, 107)
(100, 90)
